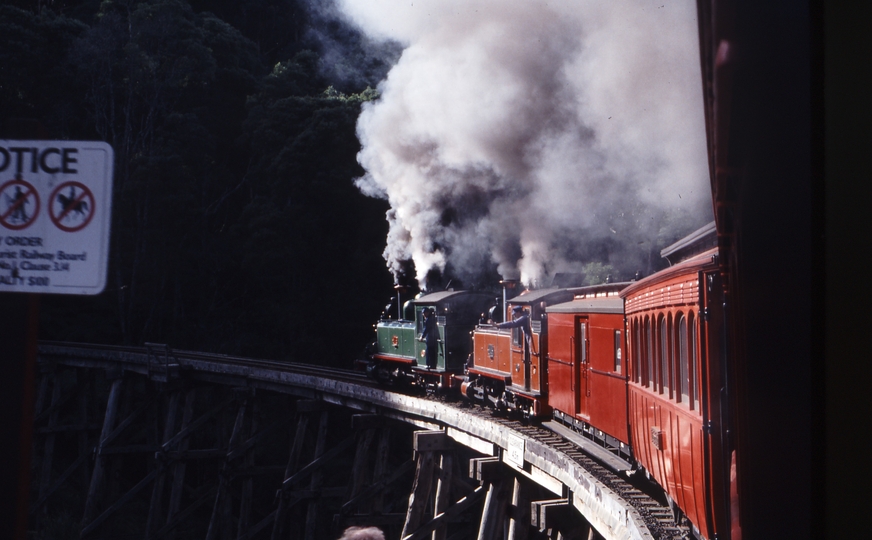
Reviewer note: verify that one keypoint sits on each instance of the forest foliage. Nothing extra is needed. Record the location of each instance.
(236, 225)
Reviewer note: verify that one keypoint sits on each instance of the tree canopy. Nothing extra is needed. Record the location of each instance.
(236, 225)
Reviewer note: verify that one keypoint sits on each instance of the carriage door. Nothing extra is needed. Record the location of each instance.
(717, 385)
(520, 358)
(582, 368)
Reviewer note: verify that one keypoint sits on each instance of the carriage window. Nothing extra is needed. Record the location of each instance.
(694, 367)
(683, 372)
(649, 352)
(617, 351)
(637, 351)
(664, 357)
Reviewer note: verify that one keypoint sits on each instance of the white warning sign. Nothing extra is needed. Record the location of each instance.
(55, 213)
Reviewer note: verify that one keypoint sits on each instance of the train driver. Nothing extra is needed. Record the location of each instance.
(520, 319)
(430, 335)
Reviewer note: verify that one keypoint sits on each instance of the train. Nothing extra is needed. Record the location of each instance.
(636, 367)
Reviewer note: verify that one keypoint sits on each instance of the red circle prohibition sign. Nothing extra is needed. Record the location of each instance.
(16, 205)
(78, 206)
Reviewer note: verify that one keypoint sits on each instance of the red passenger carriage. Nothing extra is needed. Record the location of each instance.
(674, 324)
(587, 381)
(638, 367)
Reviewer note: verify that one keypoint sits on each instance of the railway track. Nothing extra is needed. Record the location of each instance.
(161, 363)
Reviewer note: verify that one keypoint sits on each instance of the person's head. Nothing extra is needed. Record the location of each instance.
(362, 533)
(517, 311)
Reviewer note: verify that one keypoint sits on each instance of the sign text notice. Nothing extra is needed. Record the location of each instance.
(55, 211)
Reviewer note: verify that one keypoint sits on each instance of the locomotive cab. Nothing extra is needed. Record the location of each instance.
(507, 368)
(399, 356)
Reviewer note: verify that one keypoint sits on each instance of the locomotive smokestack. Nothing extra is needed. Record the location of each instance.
(400, 289)
(509, 286)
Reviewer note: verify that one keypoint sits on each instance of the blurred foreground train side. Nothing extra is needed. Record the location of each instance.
(636, 368)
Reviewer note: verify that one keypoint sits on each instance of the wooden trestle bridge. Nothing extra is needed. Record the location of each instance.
(153, 443)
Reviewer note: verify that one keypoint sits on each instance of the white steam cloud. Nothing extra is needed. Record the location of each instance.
(537, 136)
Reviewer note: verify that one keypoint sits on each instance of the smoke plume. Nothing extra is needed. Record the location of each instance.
(534, 136)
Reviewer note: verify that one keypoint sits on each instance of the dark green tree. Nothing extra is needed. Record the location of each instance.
(36, 81)
(311, 238)
(166, 88)
(236, 224)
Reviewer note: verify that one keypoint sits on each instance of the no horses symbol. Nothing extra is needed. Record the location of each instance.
(19, 204)
(71, 206)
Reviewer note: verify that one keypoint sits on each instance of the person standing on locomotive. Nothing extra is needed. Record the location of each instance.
(521, 319)
(430, 335)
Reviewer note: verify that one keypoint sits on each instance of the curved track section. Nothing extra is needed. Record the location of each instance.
(606, 499)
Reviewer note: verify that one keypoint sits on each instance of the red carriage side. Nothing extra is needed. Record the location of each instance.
(674, 327)
(586, 365)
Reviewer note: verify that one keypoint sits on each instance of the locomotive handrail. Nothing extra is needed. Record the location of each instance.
(558, 361)
(607, 373)
(521, 349)
(572, 362)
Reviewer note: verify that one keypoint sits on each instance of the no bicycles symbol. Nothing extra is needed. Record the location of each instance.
(71, 206)
(19, 204)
